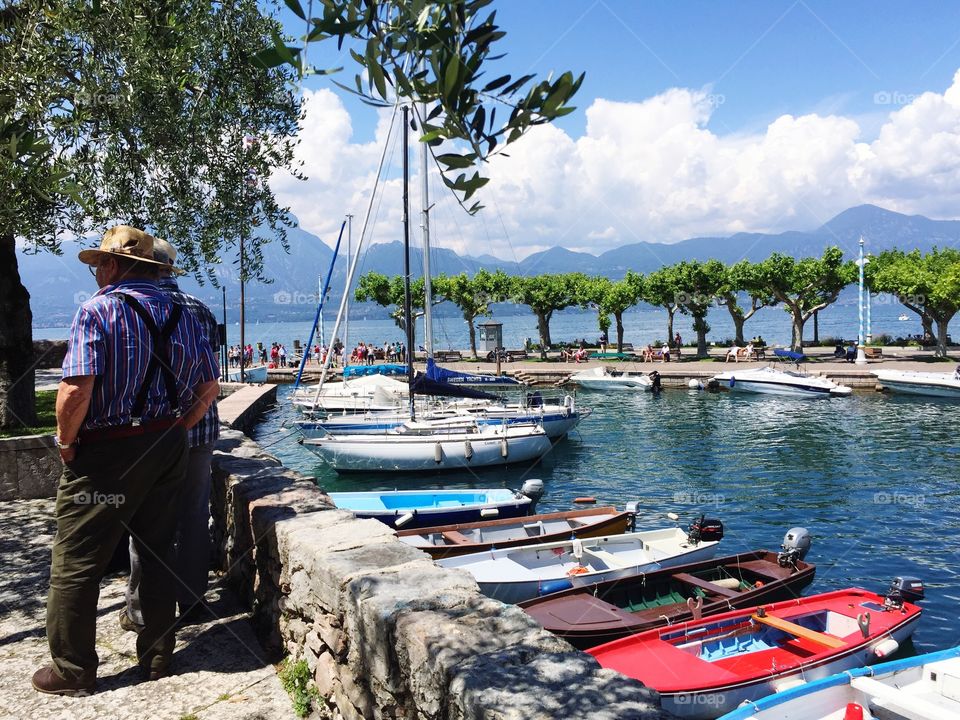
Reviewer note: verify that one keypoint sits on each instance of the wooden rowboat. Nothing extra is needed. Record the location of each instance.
(451, 540)
(595, 614)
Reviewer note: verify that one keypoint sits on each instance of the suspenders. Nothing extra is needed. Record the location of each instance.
(159, 357)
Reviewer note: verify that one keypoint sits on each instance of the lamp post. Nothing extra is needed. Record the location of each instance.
(861, 357)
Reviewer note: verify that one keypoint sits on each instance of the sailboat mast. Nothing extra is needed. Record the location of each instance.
(408, 318)
(425, 229)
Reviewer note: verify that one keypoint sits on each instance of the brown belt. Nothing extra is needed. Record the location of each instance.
(122, 431)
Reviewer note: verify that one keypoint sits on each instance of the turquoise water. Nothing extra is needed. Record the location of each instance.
(873, 477)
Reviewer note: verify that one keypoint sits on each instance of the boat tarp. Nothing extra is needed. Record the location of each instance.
(789, 355)
(424, 385)
(382, 369)
(454, 377)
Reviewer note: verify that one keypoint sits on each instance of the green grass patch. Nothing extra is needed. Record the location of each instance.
(46, 417)
(296, 680)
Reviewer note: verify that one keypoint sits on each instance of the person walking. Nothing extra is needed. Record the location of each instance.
(282, 354)
(192, 551)
(137, 374)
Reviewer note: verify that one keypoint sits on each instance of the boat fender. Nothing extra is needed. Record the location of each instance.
(504, 449)
(585, 500)
(489, 513)
(733, 381)
(758, 584)
(863, 620)
(467, 449)
(887, 648)
(552, 586)
(403, 520)
(438, 453)
(853, 711)
(696, 607)
(576, 548)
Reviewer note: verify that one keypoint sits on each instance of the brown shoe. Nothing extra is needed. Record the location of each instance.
(129, 625)
(46, 680)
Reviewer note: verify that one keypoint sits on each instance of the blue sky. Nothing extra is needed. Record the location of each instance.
(695, 118)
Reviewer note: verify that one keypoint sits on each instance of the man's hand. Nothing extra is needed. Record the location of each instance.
(205, 394)
(73, 401)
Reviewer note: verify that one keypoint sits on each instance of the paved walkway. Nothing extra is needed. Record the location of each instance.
(218, 666)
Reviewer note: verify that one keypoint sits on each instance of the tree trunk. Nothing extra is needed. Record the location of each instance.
(926, 322)
(943, 323)
(17, 393)
(473, 337)
(796, 341)
(543, 326)
(619, 318)
(738, 322)
(671, 309)
(702, 328)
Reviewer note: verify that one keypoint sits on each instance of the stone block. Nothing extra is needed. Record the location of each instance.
(38, 470)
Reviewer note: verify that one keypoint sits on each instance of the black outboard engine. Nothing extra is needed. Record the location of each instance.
(533, 489)
(706, 530)
(796, 545)
(904, 588)
(655, 378)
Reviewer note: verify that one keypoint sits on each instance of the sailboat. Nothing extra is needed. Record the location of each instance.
(429, 445)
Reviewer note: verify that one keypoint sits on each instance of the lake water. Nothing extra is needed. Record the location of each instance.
(874, 478)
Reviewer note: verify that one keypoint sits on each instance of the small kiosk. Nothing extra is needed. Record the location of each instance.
(491, 335)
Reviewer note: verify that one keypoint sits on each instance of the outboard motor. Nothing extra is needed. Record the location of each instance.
(655, 377)
(796, 544)
(705, 530)
(904, 588)
(533, 489)
(633, 507)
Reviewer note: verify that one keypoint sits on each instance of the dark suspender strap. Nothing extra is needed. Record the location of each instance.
(159, 356)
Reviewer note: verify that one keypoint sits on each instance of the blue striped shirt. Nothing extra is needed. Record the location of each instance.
(108, 340)
(208, 429)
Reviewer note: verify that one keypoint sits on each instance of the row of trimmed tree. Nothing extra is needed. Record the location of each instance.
(927, 284)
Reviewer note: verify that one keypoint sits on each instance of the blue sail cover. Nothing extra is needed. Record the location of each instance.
(382, 369)
(453, 377)
(425, 385)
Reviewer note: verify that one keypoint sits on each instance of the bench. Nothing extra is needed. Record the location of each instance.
(457, 538)
(705, 585)
(800, 631)
(873, 352)
(612, 356)
(513, 355)
(447, 355)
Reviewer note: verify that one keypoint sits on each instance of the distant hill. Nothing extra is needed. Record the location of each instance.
(54, 281)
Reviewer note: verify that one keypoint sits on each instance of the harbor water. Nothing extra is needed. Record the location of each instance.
(873, 477)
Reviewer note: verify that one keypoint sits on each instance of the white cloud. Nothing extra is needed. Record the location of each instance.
(650, 170)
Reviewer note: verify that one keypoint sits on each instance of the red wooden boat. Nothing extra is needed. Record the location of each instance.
(445, 541)
(595, 614)
(705, 668)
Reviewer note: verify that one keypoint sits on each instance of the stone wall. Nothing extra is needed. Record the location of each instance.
(49, 353)
(29, 467)
(387, 633)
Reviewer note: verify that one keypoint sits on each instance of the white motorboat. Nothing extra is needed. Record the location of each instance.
(513, 575)
(250, 375)
(924, 687)
(772, 381)
(602, 378)
(930, 384)
(903, 317)
(432, 446)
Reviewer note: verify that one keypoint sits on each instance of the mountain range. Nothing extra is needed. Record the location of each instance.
(56, 284)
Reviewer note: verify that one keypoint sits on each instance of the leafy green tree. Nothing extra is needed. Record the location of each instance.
(805, 286)
(545, 294)
(473, 295)
(699, 282)
(662, 288)
(133, 112)
(929, 285)
(388, 292)
(615, 297)
(743, 277)
(438, 53)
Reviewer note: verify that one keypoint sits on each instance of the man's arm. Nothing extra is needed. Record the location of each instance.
(204, 394)
(73, 401)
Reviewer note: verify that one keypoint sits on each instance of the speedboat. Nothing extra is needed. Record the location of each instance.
(257, 374)
(602, 378)
(705, 667)
(424, 446)
(425, 508)
(923, 687)
(903, 317)
(595, 614)
(930, 384)
(513, 575)
(791, 383)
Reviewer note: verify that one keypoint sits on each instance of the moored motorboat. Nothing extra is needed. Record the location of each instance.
(595, 614)
(256, 374)
(772, 381)
(461, 539)
(425, 508)
(516, 574)
(924, 687)
(929, 384)
(706, 667)
(602, 378)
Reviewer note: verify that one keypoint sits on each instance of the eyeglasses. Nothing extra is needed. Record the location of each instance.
(92, 269)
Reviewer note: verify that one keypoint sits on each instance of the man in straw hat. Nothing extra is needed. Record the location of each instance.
(138, 373)
(192, 551)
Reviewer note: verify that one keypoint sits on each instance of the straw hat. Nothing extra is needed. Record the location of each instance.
(123, 241)
(166, 253)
